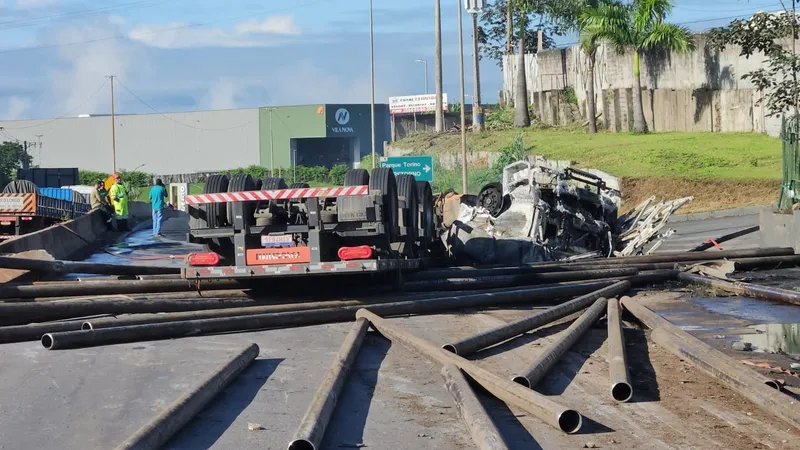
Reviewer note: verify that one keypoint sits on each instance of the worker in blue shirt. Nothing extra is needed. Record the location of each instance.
(158, 195)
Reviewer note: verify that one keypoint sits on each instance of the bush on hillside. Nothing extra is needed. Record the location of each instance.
(131, 179)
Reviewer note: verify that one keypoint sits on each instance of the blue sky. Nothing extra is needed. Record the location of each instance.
(178, 55)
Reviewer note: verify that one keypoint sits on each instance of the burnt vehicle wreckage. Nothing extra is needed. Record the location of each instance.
(548, 210)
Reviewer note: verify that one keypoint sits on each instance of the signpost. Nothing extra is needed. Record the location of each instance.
(412, 104)
(419, 166)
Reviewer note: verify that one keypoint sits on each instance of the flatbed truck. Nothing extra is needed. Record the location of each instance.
(23, 213)
(375, 223)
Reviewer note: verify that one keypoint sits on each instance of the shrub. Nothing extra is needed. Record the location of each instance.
(337, 174)
(90, 177)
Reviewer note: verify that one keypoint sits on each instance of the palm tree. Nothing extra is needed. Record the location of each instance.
(638, 27)
(521, 116)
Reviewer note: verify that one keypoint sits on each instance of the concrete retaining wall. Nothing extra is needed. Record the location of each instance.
(698, 91)
(780, 229)
(64, 241)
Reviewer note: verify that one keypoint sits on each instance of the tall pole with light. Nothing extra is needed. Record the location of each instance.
(425, 63)
(372, 81)
(475, 7)
(463, 117)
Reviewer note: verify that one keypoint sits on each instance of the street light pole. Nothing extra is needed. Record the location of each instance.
(372, 81)
(477, 124)
(425, 63)
(437, 65)
(463, 118)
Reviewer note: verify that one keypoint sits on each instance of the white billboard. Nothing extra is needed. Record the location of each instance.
(410, 104)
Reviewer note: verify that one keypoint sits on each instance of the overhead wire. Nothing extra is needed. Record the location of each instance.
(121, 84)
(68, 113)
(79, 14)
(160, 30)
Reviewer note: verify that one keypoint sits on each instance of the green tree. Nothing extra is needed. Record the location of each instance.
(638, 27)
(496, 35)
(12, 155)
(778, 76)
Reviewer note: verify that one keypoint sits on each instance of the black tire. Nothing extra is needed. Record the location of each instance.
(491, 198)
(299, 186)
(273, 184)
(241, 183)
(427, 220)
(259, 183)
(216, 213)
(407, 187)
(382, 179)
(356, 177)
(20, 187)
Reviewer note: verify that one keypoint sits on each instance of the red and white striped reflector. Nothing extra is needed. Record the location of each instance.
(281, 194)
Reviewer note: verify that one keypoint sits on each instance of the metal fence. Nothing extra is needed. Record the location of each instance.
(790, 138)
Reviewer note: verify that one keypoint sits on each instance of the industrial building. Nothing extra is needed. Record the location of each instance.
(206, 141)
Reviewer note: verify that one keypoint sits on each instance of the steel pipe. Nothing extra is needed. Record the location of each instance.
(513, 280)
(750, 384)
(35, 331)
(540, 406)
(24, 313)
(539, 368)
(110, 287)
(507, 331)
(163, 427)
(621, 389)
(736, 234)
(170, 330)
(40, 265)
(746, 289)
(483, 431)
(312, 428)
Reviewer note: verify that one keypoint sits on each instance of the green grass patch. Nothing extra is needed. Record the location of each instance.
(739, 156)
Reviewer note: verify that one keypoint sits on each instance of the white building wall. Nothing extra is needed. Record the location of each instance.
(164, 143)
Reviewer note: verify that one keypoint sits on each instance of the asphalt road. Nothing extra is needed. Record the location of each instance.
(691, 234)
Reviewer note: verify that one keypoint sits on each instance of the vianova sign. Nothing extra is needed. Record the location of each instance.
(342, 117)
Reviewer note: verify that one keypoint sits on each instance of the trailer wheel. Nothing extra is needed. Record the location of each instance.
(356, 177)
(216, 215)
(383, 180)
(273, 184)
(407, 187)
(299, 186)
(20, 187)
(491, 198)
(240, 183)
(259, 183)
(427, 221)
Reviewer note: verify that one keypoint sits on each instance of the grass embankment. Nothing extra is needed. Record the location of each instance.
(721, 170)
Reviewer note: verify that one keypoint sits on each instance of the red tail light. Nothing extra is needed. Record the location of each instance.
(26, 218)
(351, 253)
(202, 259)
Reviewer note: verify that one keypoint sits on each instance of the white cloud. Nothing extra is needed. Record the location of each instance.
(34, 4)
(274, 24)
(75, 87)
(222, 95)
(275, 30)
(17, 107)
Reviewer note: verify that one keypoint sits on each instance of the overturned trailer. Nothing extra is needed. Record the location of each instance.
(548, 210)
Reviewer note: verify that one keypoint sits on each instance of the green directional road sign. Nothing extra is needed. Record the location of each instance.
(419, 166)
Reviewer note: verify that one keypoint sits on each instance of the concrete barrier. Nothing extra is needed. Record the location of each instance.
(68, 240)
(780, 229)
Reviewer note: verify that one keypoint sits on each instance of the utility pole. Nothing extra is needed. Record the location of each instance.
(25, 155)
(437, 64)
(425, 63)
(113, 129)
(39, 144)
(463, 117)
(474, 7)
(271, 147)
(372, 82)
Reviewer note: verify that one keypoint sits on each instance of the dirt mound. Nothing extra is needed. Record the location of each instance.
(709, 194)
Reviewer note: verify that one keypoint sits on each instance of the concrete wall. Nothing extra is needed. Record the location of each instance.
(780, 229)
(58, 241)
(169, 143)
(697, 91)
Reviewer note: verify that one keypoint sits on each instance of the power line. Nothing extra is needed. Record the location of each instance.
(177, 121)
(162, 30)
(68, 113)
(53, 18)
(687, 8)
